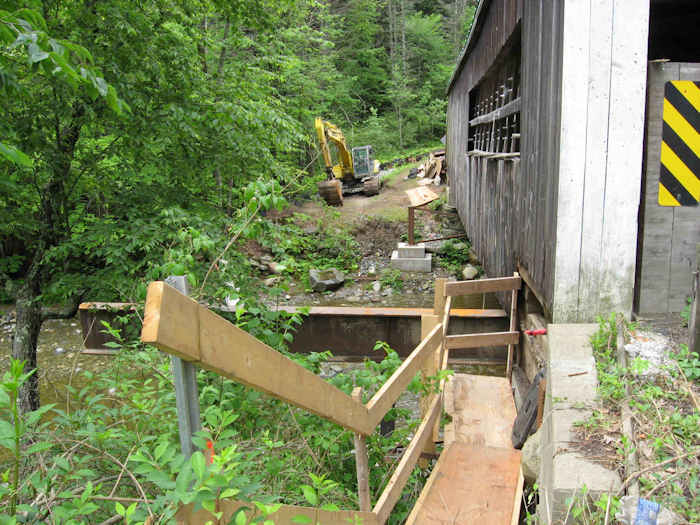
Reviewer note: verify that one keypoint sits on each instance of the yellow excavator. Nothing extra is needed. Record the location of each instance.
(356, 171)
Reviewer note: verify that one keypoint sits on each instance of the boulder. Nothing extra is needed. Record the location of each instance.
(325, 280)
(376, 286)
(271, 281)
(276, 268)
(531, 458)
(470, 272)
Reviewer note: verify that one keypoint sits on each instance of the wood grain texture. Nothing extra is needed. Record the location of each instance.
(453, 342)
(362, 462)
(482, 410)
(179, 326)
(284, 516)
(390, 391)
(392, 491)
(498, 284)
(471, 485)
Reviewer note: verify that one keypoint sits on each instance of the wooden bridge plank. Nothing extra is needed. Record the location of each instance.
(469, 485)
(482, 410)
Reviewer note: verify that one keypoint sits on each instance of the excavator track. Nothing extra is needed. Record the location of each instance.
(371, 186)
(331, 191)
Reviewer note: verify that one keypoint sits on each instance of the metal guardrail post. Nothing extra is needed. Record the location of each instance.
(186, 392)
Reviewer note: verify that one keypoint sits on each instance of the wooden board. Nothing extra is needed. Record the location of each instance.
(471, 485)
(392, 491)
(179, 326)
(362, 311)
(498, 284)
(482, 410)
(390, 391)
(284, 516)
(420, 196)
(478, 340)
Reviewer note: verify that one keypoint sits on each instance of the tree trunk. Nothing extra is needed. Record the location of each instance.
(28, 312)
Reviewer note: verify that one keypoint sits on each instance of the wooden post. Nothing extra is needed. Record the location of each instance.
(694, 319)
(186, 393)
(362, 462)
(439, 310)
(411, 225)
(430, 368)
(513, 326)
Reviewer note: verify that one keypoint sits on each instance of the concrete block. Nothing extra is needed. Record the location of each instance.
(570, 341)
(411, 264)
(416, 251)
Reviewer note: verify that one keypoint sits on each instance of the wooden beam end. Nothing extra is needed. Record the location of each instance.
(151, 316)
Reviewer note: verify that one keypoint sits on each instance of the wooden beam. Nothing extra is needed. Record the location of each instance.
(439, 298)
(393, 489)
(429, 369)
(362, 462)
(390, 391)
(525, 275)
(477, 340)
(179, 326)
(513, 328)
(497, 114)
(284, 515)
(498, 284)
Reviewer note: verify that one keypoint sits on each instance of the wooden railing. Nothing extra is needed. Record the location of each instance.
(183, 328)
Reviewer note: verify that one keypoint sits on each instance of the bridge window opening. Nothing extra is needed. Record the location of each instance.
(494, 107)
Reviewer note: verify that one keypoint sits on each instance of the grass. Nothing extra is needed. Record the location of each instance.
(666, 420)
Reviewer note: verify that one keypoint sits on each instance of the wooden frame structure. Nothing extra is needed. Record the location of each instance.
(181, 327)
(190, 332)
(509, 338)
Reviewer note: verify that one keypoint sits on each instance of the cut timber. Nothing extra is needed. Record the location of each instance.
(284, 515)
(420, 196)
(392, 491)
(390, 391)
(331, 191)
(482, 410)
(179, 326)
(498, 284)
(476, 340)
(471, 485)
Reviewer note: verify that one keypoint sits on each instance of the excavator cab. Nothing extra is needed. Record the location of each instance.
(363, 162)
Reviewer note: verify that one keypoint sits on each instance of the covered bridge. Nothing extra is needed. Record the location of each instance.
(553, 149)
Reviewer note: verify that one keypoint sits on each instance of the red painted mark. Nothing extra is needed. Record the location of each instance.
(210, 452)
(541, 331)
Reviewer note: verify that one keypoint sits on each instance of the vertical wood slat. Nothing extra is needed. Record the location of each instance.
(513, 326)
(362, 462)
(430, 369)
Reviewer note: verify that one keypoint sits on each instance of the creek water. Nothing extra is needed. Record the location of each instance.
(58, 356)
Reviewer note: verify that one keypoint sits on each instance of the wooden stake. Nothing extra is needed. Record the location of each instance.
(513, 326)
(362, 462)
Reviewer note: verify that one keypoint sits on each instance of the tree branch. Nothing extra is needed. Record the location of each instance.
(68, 312)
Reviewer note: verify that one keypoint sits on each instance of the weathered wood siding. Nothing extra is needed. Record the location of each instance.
(667, 236)
(508, 207)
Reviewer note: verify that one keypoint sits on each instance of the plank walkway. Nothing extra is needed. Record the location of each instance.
(477, 478)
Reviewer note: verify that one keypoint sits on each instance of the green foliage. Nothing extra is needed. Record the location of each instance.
(685, 313)
(454, 255)
(392, 278)
(664, 417)
(689, 362)
(257, 449)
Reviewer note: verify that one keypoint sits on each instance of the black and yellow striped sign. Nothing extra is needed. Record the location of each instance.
(679, 178)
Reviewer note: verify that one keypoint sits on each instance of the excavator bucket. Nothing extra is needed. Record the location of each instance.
(331, 191)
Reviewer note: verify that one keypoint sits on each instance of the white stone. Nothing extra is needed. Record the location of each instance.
(411, 251)
(423, 264)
